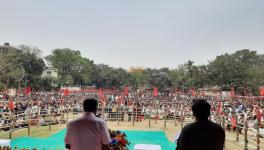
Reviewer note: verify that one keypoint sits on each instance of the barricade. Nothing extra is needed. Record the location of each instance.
(249, 136)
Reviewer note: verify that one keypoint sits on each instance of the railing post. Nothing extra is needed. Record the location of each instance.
(149, 117)
(117, 115)
(67, 117)
(50, 119)
(237, 129)
(133, 117)
(156, 115)
(175, 120)
(258, 141)
(246, 137)
(136, 113)
(181, 120)
(29, 124)
(103, 112)
(224, 122)
(165, 119)
(11, 125)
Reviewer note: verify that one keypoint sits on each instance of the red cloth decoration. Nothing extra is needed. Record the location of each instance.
(261, 91)
(233, 122)
(193, 92)
(126, 91)
(27, 90)
(258, 114)
(100, 93)
(66, 92)
(232, 92)
(155, 91)
(220, 108)
(11, 105)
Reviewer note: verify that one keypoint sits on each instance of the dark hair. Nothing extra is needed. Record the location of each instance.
(201, 109)
(90, 105)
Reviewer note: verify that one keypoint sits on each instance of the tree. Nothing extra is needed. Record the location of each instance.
(10, 70)
(32, 63)
(243, 69)
(83, 71)
(137, 79)
(65, 61)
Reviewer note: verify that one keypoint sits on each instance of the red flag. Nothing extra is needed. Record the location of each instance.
(100, 93)
(232, 92)
(193, 92)
(259, 114)
(155, 91)
(233, 122)
(178, 90)
(219, 108)
(11, 105)
(18, 89)
(28, 90)
(261, 91)
(66, 92)
(126, 91)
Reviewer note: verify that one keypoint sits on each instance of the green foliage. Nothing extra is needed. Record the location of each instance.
(108, 77)
(2, 86)
(72, 68)
(11, 71)
(243, 69)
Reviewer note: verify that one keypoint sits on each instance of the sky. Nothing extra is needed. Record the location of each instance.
(124, 33)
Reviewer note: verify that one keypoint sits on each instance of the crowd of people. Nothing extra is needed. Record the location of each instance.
(38, 105)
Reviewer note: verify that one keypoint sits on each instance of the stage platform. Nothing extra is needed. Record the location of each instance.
(56, 141)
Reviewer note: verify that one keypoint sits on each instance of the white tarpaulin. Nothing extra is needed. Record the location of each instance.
(5, 142)
(147, 147)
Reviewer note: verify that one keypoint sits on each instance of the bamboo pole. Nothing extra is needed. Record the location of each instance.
(11, 125)
(67, 117)
(133, 117)
(118, 115)
(50, 118)
(258, 136)
(136, 112)
(245, 136)
(149, 117)
(237, 128)
(181, 119)
(175, 118)
(224, 122)
(165, 119)
(29, 124)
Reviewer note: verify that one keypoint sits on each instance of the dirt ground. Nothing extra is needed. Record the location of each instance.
(171, 130)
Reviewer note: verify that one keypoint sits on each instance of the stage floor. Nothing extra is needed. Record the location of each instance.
(56, 141)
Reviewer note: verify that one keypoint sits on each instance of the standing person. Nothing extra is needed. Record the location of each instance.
(87, 132)
(202, 134)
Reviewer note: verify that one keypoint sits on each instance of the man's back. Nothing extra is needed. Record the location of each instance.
(87, 133)
(203, 135)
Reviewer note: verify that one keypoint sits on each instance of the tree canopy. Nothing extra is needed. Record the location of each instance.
(243, 69)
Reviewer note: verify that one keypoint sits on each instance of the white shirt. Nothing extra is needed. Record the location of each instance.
(87, 133)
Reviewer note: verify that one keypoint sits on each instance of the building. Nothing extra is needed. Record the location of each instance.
(211, 91)
(50, 72)
(6, 49)
(135, 69)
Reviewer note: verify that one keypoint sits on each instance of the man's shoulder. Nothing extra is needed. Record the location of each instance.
(82, 118)
(216, 126)
(189, 126)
